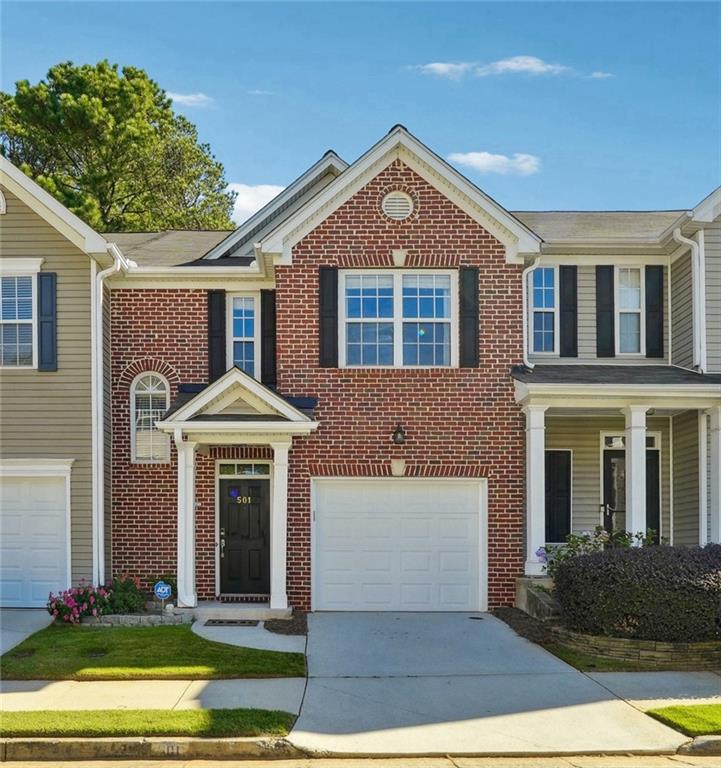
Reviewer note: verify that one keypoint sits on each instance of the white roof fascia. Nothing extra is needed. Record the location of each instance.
(596, 393)
(709, 208)
(253, 386)
(54, 212)
(399, 143)
(328, 161)
(236, 427)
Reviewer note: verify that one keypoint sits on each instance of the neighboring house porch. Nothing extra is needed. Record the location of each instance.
(623, 448)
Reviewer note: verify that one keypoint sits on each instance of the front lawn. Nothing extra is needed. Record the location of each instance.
(587, 662)
(146, 722)
(135, 653)
(692, 719)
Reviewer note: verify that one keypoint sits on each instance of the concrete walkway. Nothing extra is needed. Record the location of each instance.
(284, 694)
(650, 690)
(251, 637)
(18, 623)
(434, 684)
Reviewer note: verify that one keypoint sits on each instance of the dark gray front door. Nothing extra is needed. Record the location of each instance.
(614, 489)
(558, 496)
(245, 536)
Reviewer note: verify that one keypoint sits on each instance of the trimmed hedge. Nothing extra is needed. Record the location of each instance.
(663, 593)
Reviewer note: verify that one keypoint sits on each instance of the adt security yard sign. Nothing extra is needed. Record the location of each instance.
(162, 591)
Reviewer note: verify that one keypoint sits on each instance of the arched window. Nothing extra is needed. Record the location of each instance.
(149, 400)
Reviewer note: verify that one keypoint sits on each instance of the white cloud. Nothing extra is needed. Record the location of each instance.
(449, 69)
(600, 75)
(531, 65)
(191, 99)
(260, 92)
(251, 199)
(486, 162)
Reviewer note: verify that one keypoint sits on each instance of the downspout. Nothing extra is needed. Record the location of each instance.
(696, 297)
(524, 281)
(98, 407)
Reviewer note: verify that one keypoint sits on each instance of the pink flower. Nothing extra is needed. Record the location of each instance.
(95, 611)
(92, 599)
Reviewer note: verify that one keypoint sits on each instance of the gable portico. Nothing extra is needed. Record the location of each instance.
(235, 410)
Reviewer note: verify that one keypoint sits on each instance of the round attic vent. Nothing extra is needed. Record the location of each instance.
(397, 205)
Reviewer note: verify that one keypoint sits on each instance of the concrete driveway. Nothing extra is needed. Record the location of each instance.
(436, 684)
(18, 623)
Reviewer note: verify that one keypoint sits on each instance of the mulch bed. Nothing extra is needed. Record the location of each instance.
(524, 625)
(297, 624)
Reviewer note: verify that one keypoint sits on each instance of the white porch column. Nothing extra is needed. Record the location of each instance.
(635, 468)
(535, 487)
(715, 475)
(279, 525)
(187, 597)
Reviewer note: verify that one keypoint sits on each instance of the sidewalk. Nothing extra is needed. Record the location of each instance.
(283, 694)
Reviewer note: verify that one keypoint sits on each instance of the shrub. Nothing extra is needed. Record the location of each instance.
(591, 541)
(126, 595)
(73, 604)
(663, 593)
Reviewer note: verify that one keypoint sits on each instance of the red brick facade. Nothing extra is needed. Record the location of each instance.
(459, 421)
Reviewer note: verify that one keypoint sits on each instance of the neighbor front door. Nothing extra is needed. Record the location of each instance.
(614, 490)
(245, 537)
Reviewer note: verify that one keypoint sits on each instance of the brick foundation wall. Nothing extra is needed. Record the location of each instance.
(459, 422)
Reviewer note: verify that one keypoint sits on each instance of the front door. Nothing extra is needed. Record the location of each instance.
(245, 537)
(614, 490)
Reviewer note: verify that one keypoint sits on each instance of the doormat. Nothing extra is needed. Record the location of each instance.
(231, 623)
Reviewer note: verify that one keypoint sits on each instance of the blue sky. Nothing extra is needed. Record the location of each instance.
(543, 105)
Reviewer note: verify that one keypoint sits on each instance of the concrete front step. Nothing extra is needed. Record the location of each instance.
(214, 609)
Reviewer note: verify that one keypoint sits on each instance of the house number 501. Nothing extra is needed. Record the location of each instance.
(243, 500)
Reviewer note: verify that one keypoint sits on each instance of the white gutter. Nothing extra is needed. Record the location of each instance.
(98, 406)
(699, 343)
(524, 283)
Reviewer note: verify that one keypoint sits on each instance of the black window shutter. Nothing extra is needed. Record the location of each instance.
(267, 338)
(654, 311)
(568, 298)
(216, 335)
(605, 310)
(328, 300)
(468, 317)
(47, 321)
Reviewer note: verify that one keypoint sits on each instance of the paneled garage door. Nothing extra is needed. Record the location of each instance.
(33, 540)
(399, 545)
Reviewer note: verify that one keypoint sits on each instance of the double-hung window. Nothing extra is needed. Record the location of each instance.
(629, 311)
(544, 310)
(244, 333)
(149, 400)
(17, 311)
(398, 318)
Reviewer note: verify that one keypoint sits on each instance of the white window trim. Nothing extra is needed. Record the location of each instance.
(658, 446)
(397, 319)
(618, 311)
(255, 295)
(24, 268)
(556, 312)
(133, 458)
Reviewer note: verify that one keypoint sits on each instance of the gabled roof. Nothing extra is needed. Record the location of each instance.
(280, 207)
(709, 209)
(172, 248)
(400, 143)
(48, 208)
(236, 401)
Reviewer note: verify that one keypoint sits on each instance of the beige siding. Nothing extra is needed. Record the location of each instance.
(582, 435)
(685, 478)
(587, 327)
(682, 312)
(712, 237)
(48, 415)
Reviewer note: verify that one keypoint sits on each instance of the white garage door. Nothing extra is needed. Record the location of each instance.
(33, 540)
(398, 545)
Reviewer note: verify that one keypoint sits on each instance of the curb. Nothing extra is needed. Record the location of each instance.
(147, 748)
(702, 746)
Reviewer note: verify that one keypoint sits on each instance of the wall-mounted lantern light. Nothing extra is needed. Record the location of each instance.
(399, 436)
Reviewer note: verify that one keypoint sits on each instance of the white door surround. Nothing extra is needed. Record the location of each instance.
(35, 540)
(399, 544)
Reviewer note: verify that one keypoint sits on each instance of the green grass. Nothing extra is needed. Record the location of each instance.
(692, 719)
(146, 722)
(587, 662)
(137, 653)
